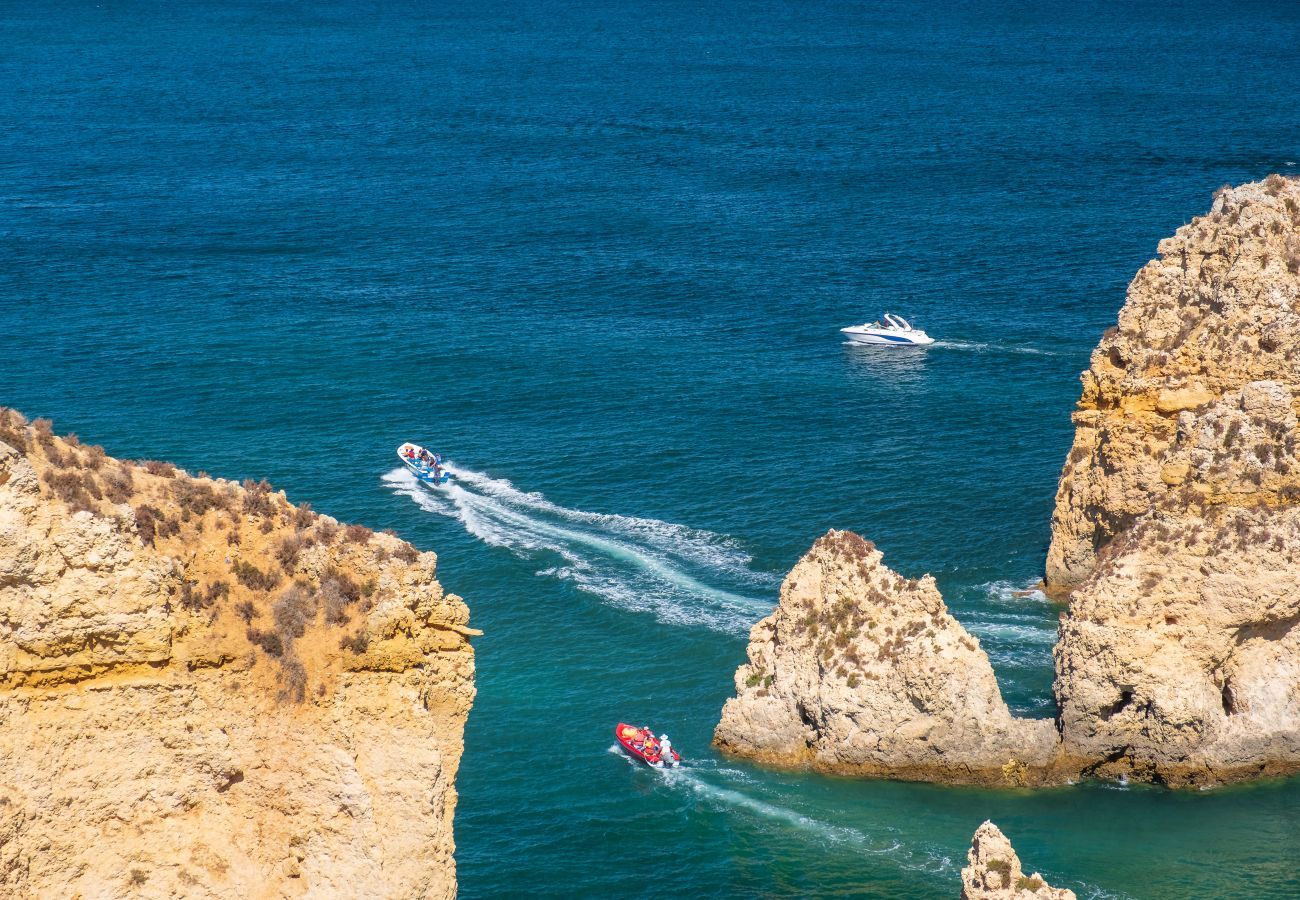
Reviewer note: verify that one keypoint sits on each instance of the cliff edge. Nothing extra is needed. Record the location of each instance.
(1216, 310)
(205, 690)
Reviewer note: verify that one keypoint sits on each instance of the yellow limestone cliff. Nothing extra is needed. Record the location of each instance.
(1216, 310)
(1177, 521)
(207, 691)
(1176, 533)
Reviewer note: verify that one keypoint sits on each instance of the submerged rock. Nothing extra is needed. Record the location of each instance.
(993, 872)
(205, 690)
(862, 671)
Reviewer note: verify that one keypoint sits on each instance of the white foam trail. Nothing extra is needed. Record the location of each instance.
(706, 548)
(1014, 613)
(646, 576)
(1034, 634)
(891, 843)
(982, 346)
(1010, 592)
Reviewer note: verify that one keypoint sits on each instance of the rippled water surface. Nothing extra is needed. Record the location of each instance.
(598, 254)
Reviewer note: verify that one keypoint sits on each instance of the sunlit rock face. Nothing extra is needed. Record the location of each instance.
(205, 690)
(861, 671)
(993, 872)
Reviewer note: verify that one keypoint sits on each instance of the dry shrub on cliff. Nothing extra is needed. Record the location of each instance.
(345, 584)
(246, 611)
(357, 643)
(1274, 184)
(159, 468)
(406, 553)
(290, 548)
(293, 680)
(13, 429)
(196, 497)
(357, 534)
(269, 641)
(292, 611)
(94, 456)
(303, 517)
(152, 524)
(335, 602)
(250, 576)
(43, 431)
(77, 489)
(257, 498)
(190, 598)
(326, 532)
(118, 484)
(194, 600)
(55, 457)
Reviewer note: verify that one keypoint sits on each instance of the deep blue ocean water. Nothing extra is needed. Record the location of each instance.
(598, 254)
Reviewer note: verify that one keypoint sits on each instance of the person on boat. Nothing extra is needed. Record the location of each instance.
(666, 749)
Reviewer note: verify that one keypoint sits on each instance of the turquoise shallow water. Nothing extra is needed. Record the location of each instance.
(598, 256)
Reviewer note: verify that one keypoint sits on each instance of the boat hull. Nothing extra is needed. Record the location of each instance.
(425, 473)
(886, 339)
(648, 753)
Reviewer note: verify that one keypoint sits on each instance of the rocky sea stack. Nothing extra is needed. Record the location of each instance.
(1176, 538)
(205, 690)
(861, 671)
(993, 872)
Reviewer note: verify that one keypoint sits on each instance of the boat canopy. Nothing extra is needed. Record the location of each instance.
(897, 322)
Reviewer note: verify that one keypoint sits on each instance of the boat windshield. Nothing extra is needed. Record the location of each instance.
(897, 322)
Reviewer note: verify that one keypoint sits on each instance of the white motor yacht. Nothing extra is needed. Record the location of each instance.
(892, 330)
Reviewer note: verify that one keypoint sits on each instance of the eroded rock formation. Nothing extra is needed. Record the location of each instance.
(1216, 310)
(862, 671)
(1176, 533)
(993, 872)
(205, 690)
(1178, 513)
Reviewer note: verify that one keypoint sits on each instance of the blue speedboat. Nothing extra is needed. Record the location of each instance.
(426, 466)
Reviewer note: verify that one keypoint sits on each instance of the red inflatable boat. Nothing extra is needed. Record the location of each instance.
(640, 743)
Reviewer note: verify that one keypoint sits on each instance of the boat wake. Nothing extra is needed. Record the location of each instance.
(986, 347)
(884, 841)
(682, 575)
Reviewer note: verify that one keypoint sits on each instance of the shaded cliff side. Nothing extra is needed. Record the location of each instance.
(205, 690)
